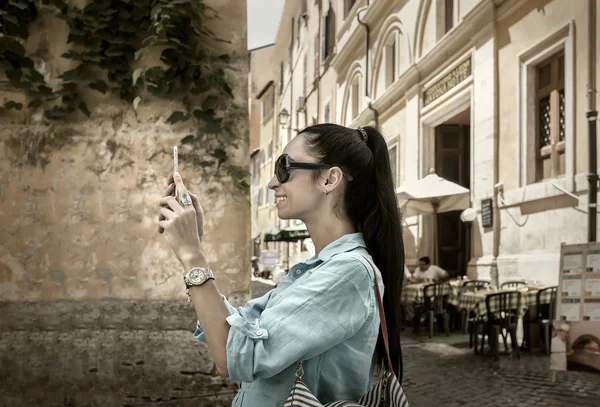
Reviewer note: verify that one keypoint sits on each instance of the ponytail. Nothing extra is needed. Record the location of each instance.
(382, 232)
(370, 204)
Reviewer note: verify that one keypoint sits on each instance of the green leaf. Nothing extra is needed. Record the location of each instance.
(219, 154)
(99, 85)
(13, 105)
(35, 103)
(56, 113)
(136, 102)
(136, 75)
(18, 4)
(83, 107)
(211, 102)
(188, 139)
(178, 117)
(140, 52)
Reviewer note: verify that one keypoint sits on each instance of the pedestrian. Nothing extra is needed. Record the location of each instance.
(324, 313)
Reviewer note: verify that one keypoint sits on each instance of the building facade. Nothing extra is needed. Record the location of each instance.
(491, 95)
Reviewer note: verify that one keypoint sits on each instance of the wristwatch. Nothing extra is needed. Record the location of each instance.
(196, 277)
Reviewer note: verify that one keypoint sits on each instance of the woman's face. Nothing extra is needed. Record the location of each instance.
(300, 197)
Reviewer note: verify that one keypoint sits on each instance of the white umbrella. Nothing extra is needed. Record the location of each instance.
(432, 195)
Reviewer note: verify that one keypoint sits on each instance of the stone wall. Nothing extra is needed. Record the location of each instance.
(92, 305)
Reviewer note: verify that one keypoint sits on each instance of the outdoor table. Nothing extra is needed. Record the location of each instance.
(475, 301)
(416, 293)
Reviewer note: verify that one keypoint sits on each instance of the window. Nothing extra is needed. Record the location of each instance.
(326, 113)
(316, 53)
(355, 97)
(305, 75)
(390, 60)
(393, 153)
(270, 151)
(267, 105)
(262, 156)
(550, 125)
(348, 6)
(272, 99)
(298, 29)
(281, 77)
(546, 105)
(328, 34)
(259, 200)
(448, 15)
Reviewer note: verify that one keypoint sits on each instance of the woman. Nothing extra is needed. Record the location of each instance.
(337, 181)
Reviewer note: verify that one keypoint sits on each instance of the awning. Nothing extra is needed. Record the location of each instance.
(292, 234)
(270, 237)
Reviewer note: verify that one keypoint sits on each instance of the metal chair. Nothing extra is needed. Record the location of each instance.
(508, 285)
(436, 302)
(545, 313)
(469, 286)
(502, 319)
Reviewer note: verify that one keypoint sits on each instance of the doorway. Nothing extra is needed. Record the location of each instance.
(452, 162)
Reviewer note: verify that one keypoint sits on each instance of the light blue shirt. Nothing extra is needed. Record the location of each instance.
(324, 313)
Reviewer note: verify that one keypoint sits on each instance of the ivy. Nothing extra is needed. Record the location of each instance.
(182, 58)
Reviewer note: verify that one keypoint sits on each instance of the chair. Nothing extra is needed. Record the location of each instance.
(469, 286)
(502, 319)
(474, 285)
(545, 313)
(436, 302)
(509, 285)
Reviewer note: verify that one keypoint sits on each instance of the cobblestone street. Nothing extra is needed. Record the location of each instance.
(438, 374)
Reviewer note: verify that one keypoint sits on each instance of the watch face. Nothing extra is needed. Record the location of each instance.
(196, 276)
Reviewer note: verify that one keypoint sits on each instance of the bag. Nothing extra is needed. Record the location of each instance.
(386, 393)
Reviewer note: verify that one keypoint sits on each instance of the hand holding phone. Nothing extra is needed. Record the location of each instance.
(170, 190)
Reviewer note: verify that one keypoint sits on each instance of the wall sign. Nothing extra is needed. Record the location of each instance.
(447, 82)
(487, 213)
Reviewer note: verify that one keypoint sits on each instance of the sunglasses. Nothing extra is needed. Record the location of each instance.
(284, 165)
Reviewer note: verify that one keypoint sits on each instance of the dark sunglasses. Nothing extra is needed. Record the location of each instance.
(284, 165)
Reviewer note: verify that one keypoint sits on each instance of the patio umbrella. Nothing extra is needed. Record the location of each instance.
(432, 195)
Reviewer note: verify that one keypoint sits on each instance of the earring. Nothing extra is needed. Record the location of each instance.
(326, 191)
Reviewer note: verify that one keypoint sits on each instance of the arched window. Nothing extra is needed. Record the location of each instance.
(387, 63)
(353, 105)
(328, 34)
(391, 59)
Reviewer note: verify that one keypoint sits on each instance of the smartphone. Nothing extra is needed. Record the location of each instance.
(175, 159)
(175, 164)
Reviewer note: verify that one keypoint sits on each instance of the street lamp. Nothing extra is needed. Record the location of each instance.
(468, 215)
(284, 116)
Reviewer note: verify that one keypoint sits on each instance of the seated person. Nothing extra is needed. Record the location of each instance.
(428, 271)
(407, 274)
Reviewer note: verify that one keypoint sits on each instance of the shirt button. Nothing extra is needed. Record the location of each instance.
(259, 333)
(297, 271)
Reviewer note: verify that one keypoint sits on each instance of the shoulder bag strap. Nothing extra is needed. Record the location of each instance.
(381, 318)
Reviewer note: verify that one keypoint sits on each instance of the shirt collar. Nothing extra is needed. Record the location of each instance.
(345, 243)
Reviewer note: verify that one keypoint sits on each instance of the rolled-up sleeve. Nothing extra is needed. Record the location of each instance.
(199, 333)
(315, 313)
